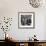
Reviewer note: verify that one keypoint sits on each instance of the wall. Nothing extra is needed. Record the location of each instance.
(10, 8)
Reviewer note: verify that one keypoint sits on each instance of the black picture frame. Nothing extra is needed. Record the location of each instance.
(26, 20)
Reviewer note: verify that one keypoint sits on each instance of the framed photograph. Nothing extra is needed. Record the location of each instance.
(26, 20)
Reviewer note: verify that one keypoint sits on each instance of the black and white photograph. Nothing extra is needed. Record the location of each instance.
(26, 20)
